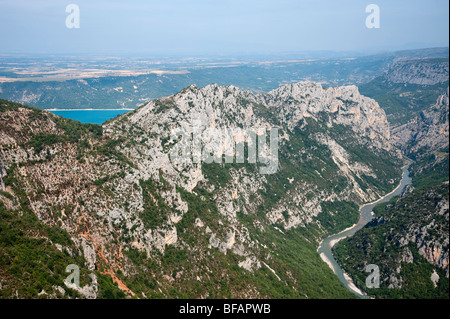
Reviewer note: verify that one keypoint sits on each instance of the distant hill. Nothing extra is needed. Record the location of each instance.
(257, 76)
(408, 87)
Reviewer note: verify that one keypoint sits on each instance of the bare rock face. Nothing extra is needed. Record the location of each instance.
(123, 192)
(428, 231)
(2, 173)
(412, 232)
(429, 131)
(308, 99)
(229, 107)
(422, 72)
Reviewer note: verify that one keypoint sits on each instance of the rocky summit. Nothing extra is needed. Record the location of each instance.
(113, 202)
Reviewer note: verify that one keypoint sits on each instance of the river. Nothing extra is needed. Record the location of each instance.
(325, 248)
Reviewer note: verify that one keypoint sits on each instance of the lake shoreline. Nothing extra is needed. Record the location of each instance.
(91, 116)
(60, 110)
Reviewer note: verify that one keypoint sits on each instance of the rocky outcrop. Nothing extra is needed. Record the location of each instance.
(345, 105)
(428, 230)
(421, 72)
(125, 200)
(405, 237)
(427, 133)
(2, 173)
(286, 108)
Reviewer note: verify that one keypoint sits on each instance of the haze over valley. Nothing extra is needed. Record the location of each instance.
(222, 152)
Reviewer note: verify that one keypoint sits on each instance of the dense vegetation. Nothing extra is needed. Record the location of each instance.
(32, 266)
(194, 268)
(402, 102)
(429, 170)
(378, 243)
(300, 270)
(33, 255)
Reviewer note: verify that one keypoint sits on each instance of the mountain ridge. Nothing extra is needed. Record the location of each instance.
(135, 216)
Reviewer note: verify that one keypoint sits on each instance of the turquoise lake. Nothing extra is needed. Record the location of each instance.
(90, 116)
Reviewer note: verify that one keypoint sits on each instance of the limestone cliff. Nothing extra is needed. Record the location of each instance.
(428, 132)
(420, 72)
(136, 215)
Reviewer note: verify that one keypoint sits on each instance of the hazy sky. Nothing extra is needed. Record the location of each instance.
(219, 27)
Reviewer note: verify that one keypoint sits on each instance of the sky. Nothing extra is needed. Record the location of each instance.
(219, 27)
